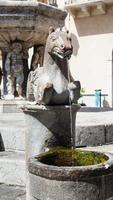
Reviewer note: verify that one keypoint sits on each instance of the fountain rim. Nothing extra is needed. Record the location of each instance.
(71, 173)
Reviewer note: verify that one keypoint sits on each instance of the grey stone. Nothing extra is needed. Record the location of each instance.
(103, 148)
(12, 168)
(13, 138)
(48, 126)
(57, 190)
(11, 192)
(109, 133)
(87, 120)
(22, 197)
(90, 135)
(53, 83)
(11, 106)
(23, 20)
(67, 183)
(12, 131)
(14, 67)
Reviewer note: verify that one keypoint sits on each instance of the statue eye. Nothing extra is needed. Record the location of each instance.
(53, 38)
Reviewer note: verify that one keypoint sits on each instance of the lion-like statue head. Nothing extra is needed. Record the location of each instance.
(59, 43)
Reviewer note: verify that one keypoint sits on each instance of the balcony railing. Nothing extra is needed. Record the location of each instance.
(87, 8)
(78, 1)
(73, 1)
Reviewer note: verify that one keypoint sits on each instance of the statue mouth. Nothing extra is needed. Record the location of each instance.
(62, 54)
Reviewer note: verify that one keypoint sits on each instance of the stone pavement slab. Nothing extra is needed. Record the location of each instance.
(11, 192)
(103, 148)
(12, 168)
(94, 118)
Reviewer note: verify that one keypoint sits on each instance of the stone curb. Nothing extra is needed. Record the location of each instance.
(94, 135)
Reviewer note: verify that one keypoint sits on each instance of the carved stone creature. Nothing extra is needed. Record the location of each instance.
(14, 69)
(53, 84)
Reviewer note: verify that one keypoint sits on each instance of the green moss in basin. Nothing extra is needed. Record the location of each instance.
(60, 156)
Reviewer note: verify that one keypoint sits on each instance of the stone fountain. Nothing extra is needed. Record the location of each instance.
(25, 24)
(51, 119)
(52, 95)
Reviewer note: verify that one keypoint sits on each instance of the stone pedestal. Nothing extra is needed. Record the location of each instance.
(47, 126)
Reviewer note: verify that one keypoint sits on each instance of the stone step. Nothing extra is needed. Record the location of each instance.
(12, 119)
(94, 128)
(12, 168)
(12, 192)
(12, 138)
(11, 106)
(94, 135)
(12, 131)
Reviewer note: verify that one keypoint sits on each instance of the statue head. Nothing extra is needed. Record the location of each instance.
(16, 46)
(59, 43)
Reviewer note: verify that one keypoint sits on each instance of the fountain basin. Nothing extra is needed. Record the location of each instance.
(61, 156)
(91, 182)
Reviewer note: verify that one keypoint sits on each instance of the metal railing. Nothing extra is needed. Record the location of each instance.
(97, 99)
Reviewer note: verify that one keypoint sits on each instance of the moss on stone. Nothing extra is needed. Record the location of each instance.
(61, 156)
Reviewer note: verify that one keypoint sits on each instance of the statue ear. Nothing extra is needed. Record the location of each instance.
(51, 29)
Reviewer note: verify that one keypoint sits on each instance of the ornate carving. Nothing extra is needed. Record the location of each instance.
(53, 83)
(14, 69)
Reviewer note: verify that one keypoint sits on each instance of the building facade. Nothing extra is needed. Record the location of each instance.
(90, 23)
(50, 2)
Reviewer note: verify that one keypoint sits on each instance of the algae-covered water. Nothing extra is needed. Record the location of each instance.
(60, 156)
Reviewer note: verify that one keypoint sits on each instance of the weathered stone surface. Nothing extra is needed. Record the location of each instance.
(53, 83)
(11, 192)
(90, 135)
(14, 67)
(109, 133)
(60, 183)
(12, 127)
(23, 20)
(13, 138)
(11, 106)
(48, 126)
(58, 190)
(12, 168)
(21, 197)
(94, 127)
